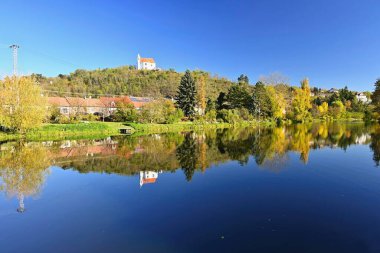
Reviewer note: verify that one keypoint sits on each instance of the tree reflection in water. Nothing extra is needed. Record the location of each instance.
(23, 166)
(23, 169)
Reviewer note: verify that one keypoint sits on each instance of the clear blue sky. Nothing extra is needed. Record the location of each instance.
(333, 42)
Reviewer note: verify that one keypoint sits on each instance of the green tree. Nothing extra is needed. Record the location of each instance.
(186, 96)
(376, 96)
(221, 101)
(346, 95)
(187, 156)
(125, 112)
(22, 105)
(261, 103)
(238, 97)
(243, 79)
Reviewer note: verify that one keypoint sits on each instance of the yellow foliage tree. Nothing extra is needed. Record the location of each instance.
(202, 94)
(22, 105)
(323, 109)
(277, 102)
(301, 102)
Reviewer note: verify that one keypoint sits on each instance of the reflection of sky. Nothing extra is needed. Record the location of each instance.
(330, 204)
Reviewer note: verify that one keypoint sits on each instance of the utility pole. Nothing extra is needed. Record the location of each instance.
(14, 48)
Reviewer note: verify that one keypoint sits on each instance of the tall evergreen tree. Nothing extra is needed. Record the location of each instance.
(221, 101)
(186, 96)
(376, 96)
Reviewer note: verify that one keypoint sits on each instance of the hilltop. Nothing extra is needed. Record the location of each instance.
(126, 80)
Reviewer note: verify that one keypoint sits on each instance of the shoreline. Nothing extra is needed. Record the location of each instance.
(98, 130)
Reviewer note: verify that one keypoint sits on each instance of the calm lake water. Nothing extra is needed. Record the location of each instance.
(304, 188)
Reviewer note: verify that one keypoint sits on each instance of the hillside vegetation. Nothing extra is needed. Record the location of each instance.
(128, 81)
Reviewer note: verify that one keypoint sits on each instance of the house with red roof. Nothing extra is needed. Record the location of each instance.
(76, 105)
(61, 103)
(112, 103)
(145, 63)
(103, 106)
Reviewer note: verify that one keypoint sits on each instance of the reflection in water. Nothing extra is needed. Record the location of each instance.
(24, 166)
(148, 177)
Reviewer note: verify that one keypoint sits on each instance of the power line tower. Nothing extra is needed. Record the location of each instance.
(14, 50)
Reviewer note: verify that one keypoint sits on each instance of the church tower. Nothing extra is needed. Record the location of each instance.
(138, 62)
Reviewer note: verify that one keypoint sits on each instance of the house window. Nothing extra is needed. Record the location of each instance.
(64, 110)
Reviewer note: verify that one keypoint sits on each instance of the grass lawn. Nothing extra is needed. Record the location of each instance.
(72, 131)
(94, 130)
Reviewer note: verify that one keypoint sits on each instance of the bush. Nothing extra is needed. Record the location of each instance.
(210, 116)
(229, 116)
(125, 112)
(174, 117)
(160, 111)
(244, 114)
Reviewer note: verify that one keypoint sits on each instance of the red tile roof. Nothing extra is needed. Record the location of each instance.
(75, 101)
(109, 101)
(151, 60)
(149, 180)
(93, 102)
(58, 101)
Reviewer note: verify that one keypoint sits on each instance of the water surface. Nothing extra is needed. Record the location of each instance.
(304, 188)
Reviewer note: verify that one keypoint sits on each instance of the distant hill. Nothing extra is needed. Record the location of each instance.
(126, 80)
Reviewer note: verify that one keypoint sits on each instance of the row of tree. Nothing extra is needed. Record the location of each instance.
(24, 105)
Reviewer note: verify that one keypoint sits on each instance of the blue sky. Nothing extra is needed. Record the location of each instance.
(334, 43)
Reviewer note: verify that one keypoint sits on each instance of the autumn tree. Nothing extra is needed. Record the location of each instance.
(202, 94)
(23, 170)
(277, 103)
(186, 96)
(301, 102)
(22, 105)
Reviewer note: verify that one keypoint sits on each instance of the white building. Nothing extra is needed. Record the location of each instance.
(362, 98)
(145, 63)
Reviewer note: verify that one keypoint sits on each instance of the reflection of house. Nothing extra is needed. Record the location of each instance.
(148, 177)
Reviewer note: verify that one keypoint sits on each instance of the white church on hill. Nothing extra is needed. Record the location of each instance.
(145, 63)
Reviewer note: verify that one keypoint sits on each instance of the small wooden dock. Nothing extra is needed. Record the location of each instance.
(127, 131)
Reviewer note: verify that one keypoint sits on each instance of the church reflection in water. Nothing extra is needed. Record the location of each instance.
(24, 166)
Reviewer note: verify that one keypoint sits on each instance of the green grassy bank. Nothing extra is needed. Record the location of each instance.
(94, 130)
(91, 130)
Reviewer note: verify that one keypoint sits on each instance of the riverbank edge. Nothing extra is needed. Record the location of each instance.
(99, 130)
